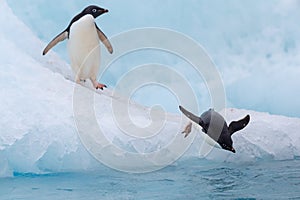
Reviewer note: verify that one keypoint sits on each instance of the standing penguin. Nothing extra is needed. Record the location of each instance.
(83, 44)
(215, 126)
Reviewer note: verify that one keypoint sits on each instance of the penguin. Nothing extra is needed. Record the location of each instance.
(215, 126)
(84, 51)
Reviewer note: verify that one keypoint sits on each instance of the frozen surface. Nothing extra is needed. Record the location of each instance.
(255, 44)
(38, 133)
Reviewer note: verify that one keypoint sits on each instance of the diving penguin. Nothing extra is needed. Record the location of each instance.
(83, 44)
(215, 126)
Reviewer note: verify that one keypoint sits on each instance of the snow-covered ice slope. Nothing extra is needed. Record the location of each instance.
(255, 44)
(31, 94)
(37, 129)
(38, 132)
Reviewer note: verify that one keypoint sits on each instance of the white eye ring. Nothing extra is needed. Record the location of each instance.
(94, 10)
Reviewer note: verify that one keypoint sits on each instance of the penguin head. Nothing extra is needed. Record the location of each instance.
(226, 144)
(94, 10)
(228, 148)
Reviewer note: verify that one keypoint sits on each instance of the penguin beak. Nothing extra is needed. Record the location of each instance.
(105, 11)
(233, 150)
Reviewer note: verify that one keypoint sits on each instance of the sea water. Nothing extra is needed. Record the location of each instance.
(186, 179)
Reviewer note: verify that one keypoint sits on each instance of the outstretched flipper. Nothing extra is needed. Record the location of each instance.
(104, 39)
(238, 125)
(191, 116)
(61, 37)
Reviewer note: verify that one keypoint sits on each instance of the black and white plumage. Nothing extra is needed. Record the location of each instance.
(84, 50)
(215, 126)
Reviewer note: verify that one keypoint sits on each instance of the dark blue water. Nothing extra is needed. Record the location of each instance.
(187, 179)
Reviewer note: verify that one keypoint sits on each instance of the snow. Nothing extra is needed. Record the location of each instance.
(38, 133)
(255, 44)
(31, 127)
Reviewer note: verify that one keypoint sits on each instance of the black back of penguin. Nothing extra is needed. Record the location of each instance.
(218, 129)
(214, 125)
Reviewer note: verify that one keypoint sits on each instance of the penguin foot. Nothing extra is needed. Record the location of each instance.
(100, 86)
(187, 130)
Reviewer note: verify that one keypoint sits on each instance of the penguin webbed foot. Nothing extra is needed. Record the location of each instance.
(100, 86)
(187, 130)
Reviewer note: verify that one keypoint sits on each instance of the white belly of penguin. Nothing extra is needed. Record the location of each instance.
(205, 137)
(84, 48)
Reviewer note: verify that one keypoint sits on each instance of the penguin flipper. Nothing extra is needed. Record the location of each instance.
(191, 116)
(238, 125)
(104, 40)
(60, 37)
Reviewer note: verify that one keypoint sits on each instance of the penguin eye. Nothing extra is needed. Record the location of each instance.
(94, 10)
